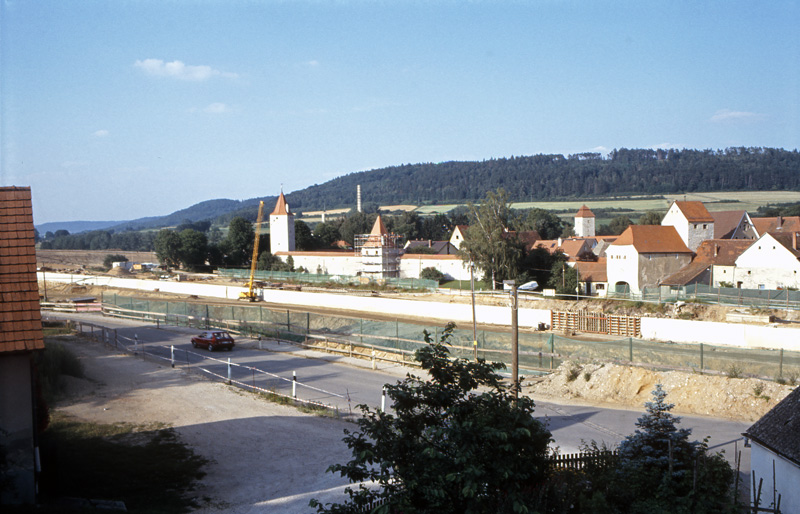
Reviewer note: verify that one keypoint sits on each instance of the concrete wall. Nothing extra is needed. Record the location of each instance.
(458, 312)
(16, 419)
(722, 334)
(787, 477)
(329, 263)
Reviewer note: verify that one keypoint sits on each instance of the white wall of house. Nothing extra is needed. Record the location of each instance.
(411, 265)
(622, 266)
(787, 477)
(281, 233)
(584, 227)
(767, 264)
(332, 264)
(723, 274)
(693, 234)
(457, 238)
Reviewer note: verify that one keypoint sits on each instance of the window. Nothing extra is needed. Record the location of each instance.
(705, 226)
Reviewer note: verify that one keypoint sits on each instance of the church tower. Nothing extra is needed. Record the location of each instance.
(584, 222)
(281, 227)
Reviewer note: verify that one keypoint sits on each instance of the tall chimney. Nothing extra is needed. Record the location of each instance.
(358, 197)
(780, 222)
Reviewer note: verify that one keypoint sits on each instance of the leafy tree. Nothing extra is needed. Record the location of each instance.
(168, 247)
(356, 223)
(488, 243)
(61, 233)
(547, 224)
(564, 279)
(267, 261)
(619, 224)
(327, 234)
(431, 274)
(661, 470)
(459, 442)
(112, 258)
(537, 265)
(303, 238)
(650, 218)
(193, 249)
(238, 246)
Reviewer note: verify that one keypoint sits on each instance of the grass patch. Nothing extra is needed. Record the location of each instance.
(146, 466)
(55, 362)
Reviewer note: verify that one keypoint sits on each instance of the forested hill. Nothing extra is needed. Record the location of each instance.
(556, 176)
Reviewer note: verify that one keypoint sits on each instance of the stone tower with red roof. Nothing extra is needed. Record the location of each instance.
(281, 227)
(584, 222)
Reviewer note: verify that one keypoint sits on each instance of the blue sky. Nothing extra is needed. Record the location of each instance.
(124, 109)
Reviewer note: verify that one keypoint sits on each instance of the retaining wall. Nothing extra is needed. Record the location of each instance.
(723, 334)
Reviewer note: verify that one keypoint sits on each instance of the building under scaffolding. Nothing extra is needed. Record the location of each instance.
(380, 253)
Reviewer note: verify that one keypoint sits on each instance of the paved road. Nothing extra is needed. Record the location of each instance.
(343, 383)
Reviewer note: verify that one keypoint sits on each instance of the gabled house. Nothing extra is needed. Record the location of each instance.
(430, 247)
(593, 276)
(643, 255)
(779, 224)
(770, 262)
(574, 248)
(692, 221)
(714, 263)
(20, 338)
(733, 225)
(458, 235)
(775, 445)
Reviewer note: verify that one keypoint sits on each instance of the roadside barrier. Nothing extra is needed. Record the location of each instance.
(181, 358)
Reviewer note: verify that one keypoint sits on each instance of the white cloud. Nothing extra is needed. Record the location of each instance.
(313, 63)
(217, 108)
(600, 149)
(179, 70)
(727, 115)
(100, 133)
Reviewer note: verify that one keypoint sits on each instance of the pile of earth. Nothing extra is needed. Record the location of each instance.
(745, 399)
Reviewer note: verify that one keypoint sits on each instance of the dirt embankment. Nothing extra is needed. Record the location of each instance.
(80, 259)
(745, 399)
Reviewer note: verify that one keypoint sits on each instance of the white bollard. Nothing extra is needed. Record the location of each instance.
(373, 359)
(229, 371)
(135, 344)
(172, 355)
(383, 400)
(294, 384)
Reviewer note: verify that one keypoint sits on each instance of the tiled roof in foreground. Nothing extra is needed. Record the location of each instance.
(20, 317)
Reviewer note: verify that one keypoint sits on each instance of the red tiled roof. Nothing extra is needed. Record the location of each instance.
(281, 207)
(695, 212)
(779, 224)
(722, 252)
(375, 238)
(592, 271)
(20, 317)
(726, 222)
(584, 212)
(652, 239)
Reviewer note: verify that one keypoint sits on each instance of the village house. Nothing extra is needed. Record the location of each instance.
(775, 454)
(778, 224)
(713, 265)
(21, 416)
(733, 225)
(692, 221)
(770, 262)
(643, 255)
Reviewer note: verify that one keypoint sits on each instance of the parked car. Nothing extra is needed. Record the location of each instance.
(213, 340)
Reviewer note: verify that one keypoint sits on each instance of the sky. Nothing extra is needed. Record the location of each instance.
(124, 109)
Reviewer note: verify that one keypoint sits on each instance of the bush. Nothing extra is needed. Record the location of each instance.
(431, 274)
(55, 362)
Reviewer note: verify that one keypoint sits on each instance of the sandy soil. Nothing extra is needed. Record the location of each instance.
(76, 259)
(264, 457)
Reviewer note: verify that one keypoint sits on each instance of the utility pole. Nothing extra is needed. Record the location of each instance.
(514, 337)
(474, 324)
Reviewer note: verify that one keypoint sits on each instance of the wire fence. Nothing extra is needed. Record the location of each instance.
(733, 296)
(539, 352)
(319, 278)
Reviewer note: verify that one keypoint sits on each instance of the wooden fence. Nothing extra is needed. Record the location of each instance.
(578, 461)
(596, 323)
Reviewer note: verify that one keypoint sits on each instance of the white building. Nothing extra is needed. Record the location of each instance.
(692, 221)
(281, 227)
(643, 255)
(771, 262)
(584, 222)
(775, 445)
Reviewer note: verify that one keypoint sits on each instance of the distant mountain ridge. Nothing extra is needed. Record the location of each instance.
(526, 178)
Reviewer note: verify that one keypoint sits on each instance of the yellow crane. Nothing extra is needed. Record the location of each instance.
(250, 295)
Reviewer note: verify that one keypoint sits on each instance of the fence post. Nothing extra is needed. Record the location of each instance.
(308, 323)
(396, 334)
(361, 332)
(294, 384)
(172, 355)
(135, 344)
(630, 349)
(229, 371)
(701, 358)
(780, 365)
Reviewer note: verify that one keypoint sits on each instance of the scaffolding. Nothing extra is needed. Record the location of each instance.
(380, 254)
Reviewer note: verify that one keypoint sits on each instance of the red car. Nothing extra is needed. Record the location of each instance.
(213, 341)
